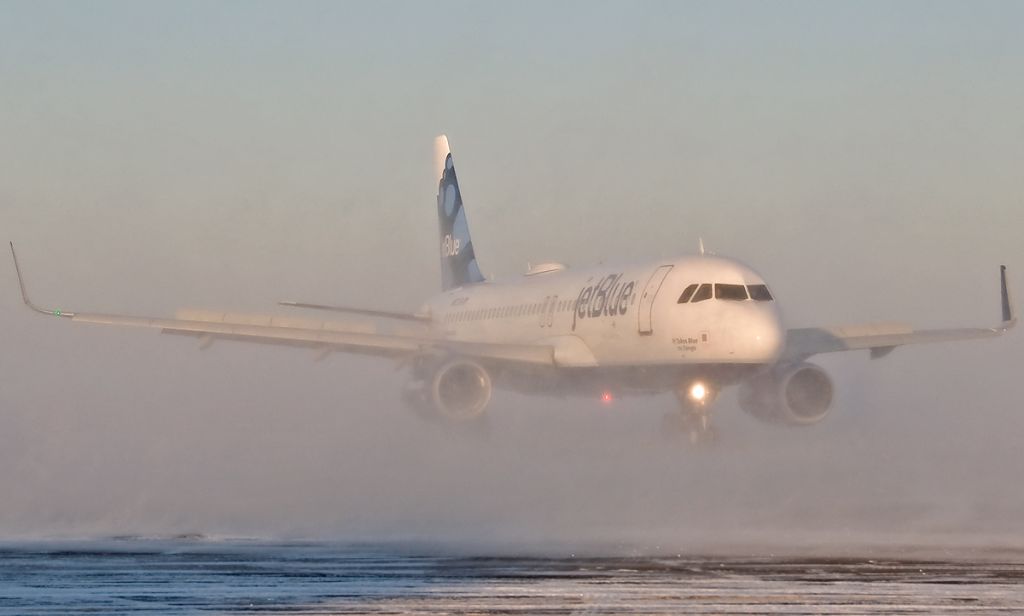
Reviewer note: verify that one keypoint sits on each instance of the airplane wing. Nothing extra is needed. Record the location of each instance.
(882, 338)
(326, 336)
(384, 314)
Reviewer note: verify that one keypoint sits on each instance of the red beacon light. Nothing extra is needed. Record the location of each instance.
(607, 397)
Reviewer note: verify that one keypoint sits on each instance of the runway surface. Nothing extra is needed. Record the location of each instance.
(131, 576)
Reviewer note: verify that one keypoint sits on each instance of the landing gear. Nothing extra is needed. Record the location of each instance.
(696, 399)
(697, 427)
(416, 397)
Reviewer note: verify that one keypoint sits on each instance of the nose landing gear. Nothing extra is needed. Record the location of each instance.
(696, 399)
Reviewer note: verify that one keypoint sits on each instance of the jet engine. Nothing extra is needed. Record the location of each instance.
(457, 390)
(791, 394)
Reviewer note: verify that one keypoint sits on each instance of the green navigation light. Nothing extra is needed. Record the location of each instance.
(56, 313)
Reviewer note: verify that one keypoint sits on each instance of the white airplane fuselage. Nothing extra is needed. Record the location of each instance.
(619, 316)
(693, 325)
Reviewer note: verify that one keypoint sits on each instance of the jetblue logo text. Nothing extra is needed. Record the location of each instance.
(450, 246)
(608, 297)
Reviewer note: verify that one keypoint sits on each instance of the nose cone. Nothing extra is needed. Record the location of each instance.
(763, 337)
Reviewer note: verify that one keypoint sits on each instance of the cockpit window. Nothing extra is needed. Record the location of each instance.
(730, 291)
(759, 293)
(687, 293)
(703, 293)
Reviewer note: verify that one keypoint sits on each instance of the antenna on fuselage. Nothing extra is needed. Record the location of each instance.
(700, 249)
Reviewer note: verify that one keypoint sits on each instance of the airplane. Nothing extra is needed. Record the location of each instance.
(691, 325)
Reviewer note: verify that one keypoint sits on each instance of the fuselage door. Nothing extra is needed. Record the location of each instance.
(646, 306)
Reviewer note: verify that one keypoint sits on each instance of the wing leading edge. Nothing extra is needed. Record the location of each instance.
(326, 336)
(882, 338)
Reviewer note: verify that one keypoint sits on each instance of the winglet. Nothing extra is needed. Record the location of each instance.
(24, 294)
(1009, 318)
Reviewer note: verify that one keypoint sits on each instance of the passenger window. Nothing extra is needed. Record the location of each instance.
(687, 294)
(703, 293)
(759, 292)
(734, 292)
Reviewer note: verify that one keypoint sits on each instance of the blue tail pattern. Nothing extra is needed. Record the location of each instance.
(458, 259)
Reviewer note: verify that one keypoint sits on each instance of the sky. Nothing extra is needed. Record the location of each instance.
(865, 158)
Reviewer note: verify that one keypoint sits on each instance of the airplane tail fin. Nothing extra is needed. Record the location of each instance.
(458, 259)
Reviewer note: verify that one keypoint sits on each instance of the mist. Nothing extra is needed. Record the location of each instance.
(199, 165)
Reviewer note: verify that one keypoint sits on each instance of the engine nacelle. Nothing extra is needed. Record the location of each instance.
(458, 390)
(791, 394)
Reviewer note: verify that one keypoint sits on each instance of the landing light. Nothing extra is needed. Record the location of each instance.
(698, 391)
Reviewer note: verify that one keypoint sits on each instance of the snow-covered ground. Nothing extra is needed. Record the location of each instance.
(194, 575)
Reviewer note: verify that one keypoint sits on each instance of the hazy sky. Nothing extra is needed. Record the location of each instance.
(866, 158)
